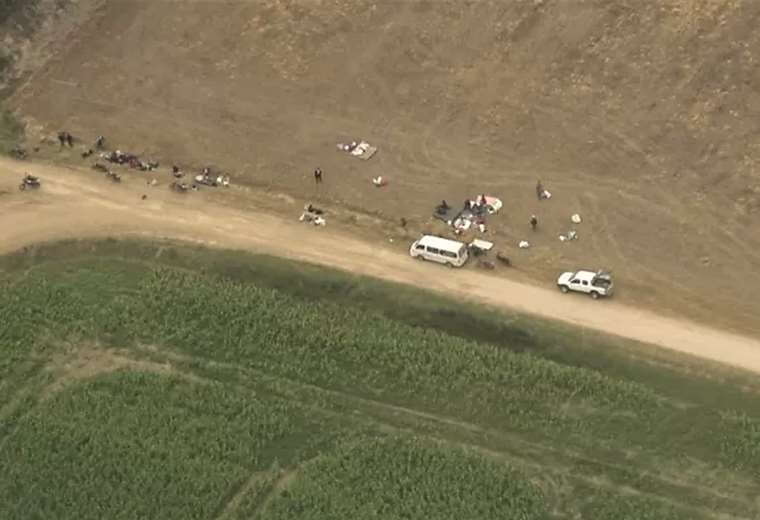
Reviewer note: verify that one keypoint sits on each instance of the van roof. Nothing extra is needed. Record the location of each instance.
(440, 243)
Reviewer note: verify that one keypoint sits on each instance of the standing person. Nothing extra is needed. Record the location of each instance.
(533, 222)
(70, 140)
(539, 190)
(318, 175)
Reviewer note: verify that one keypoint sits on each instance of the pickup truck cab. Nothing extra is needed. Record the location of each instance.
(595, 284)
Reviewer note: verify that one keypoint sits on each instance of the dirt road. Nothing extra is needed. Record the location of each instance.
(81, 204)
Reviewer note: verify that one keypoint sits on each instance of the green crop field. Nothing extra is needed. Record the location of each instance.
(166, 381)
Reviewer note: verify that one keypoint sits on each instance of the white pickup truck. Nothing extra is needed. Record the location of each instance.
(593, 283)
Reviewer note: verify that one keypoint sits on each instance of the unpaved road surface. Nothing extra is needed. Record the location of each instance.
(74, 204)
(639, 116)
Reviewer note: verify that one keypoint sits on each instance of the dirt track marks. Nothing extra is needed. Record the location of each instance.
(73, 204)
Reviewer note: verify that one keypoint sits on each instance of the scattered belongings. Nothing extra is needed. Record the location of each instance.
(571, 235)
(523, 244)
(29, 181)
(541, 192)
(313, 215)
(379, 181)
(485, 204)
(152, 182)
(474, 213)
(462, 223)
(575, 219)
(87, 153)
(363, 150)
(119, 157)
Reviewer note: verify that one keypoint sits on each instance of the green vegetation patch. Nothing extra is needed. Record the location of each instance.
(403, 477)
(11, 130)
(137, 445)
(263, 376)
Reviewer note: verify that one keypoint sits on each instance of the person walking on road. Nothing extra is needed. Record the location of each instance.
(533, 222)
(318, 175)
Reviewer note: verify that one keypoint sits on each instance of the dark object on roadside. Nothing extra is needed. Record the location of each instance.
(18, 153)
(29, 181)
(403, 222)
(65, 138)
(87, 153)
(503, 259)
(442, 208)
(99, 167)
(144, 197)
(485, 264)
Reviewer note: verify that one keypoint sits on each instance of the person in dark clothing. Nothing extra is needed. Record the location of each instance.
(539, 190)
(62, 138)
(318, 175)
(69, 140)
(533, 222)
(99, 142)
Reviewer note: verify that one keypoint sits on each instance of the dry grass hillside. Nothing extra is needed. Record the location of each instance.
(641, 116)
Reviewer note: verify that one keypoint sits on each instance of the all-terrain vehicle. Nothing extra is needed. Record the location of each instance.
(29, 181)
(115, 177)
(595, 284)
(179, 187)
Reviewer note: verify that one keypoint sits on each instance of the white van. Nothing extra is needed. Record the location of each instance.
(441, 250)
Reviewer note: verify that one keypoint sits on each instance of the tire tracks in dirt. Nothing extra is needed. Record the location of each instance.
(373, 411)
(73, 204)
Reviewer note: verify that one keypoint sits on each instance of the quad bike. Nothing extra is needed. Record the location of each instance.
(179, 187)
(115, 177)
(29, 181)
